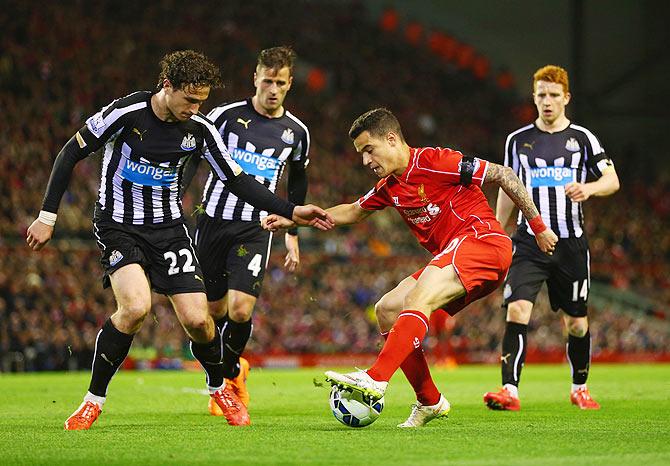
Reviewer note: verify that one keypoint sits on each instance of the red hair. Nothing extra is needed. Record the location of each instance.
(552, 74)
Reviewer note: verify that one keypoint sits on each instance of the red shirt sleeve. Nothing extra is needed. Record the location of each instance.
(445, 165)
(377, 198)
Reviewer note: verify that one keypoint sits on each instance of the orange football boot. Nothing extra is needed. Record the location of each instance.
(239, 386)
(582, 398)
(231, 406)
(84, 416)
(502, 401)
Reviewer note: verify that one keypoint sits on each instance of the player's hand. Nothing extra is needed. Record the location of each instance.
(274, 222)
(313, 216)
(38, 235)
(577, 192)
(547, 241)
(293, 255)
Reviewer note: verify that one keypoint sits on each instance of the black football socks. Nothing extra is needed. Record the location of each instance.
(235, 338)
(209, 356)
(579, 355)
(513, 352)
(111, 348)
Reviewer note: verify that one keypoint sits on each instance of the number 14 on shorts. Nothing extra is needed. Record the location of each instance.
(580, 292)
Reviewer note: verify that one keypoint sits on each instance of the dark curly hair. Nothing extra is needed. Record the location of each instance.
(276, 58)
(378, 122)
(188, 68)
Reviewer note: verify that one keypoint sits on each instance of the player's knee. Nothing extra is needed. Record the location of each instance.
(133, 313)
(518, 313)
(577, 327)
(240, 307)
(199, 324)
(386, 315)
(241, 312)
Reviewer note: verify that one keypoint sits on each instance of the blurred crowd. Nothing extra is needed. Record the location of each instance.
(63, 61)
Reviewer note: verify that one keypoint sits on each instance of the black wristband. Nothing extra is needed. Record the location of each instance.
(467, 169)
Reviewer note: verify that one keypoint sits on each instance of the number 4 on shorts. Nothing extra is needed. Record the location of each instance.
(255, 265)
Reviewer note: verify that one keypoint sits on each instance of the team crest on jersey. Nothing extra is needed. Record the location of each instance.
(422, 194)
(287, 136)
(115, 257)
(188, 143)
(572, 145)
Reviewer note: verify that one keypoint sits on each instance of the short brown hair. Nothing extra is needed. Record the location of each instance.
(378, 122)
(552, 74)
(189, 68)
(276, 58)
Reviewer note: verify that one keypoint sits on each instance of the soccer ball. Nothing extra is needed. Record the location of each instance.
(353, 409)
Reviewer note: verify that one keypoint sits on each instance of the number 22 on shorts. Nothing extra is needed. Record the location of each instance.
(188, 262)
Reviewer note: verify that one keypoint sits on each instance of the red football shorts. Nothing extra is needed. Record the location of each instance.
(481, 263)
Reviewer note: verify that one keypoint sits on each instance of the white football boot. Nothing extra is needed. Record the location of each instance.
(422, 415)
(358, 381)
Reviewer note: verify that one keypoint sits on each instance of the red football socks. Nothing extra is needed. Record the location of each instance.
(416, 370)
(404, 337)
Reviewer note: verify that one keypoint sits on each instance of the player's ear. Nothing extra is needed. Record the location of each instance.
(391, 138)
(568, 96)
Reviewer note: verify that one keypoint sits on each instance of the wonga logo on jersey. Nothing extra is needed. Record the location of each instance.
(146, 174)
(255, 164)
(551, 176)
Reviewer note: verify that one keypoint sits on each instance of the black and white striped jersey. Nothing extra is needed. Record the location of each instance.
(143, 159)
(263, 147)
(546, 162)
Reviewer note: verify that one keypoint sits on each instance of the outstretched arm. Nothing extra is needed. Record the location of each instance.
(342, 214)
(346, 214)
(507, 180)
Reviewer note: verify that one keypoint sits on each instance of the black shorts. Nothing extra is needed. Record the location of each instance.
(233, 255)
(567, 273)
(165, 252)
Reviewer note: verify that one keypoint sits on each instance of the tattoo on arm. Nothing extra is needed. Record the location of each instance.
(510, 183)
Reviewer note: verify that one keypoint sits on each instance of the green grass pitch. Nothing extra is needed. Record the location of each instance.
(161, 418)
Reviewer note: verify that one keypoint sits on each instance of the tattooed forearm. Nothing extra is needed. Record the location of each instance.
(510, 183)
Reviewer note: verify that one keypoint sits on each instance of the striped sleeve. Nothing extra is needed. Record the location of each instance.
(101, 126)
(215, 152)
(596, 158)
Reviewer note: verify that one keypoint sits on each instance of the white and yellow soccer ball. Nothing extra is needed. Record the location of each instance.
(353, 409)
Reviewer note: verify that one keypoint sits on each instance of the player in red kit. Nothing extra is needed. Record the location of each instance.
(437, 192)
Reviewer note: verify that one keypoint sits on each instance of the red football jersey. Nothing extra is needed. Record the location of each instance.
(431, 200)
